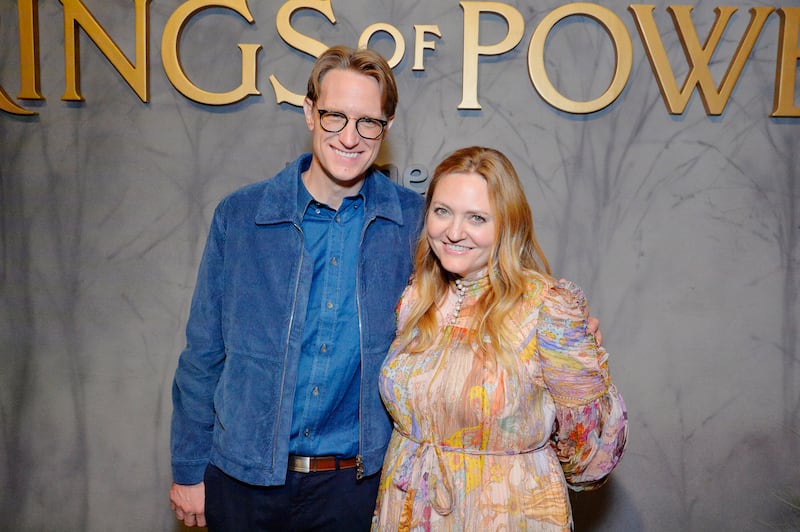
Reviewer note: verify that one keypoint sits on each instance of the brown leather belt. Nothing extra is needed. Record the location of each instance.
(314, 464)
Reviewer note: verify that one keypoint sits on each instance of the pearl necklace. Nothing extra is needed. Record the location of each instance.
(461, 292)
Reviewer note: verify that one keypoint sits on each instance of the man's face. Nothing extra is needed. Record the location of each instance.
(344, 157)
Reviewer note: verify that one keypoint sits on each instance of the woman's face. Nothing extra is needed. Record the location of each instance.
(460, 223)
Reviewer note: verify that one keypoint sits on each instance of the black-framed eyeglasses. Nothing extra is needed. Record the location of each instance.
(368, 128)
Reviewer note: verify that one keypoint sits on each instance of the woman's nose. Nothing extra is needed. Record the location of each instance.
(455, 231)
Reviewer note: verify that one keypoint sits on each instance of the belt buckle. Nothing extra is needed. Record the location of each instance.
(302, 464)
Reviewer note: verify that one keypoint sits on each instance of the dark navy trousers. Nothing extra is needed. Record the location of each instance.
(331, 501)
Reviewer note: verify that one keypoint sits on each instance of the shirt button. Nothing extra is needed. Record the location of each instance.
(330, 305)
(306, 433)
(337, 218)
(333, 261)
(324, 348)
(315, 391)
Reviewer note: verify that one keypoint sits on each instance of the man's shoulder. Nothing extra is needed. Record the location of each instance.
(249, 191)
(244, 200)
(280, 187)
(412, 201)
(411, 196)
(407, 198)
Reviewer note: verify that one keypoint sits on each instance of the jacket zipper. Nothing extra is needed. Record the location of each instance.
(359, 457)
(286, 351)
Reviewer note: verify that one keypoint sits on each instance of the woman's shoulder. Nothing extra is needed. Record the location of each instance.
(537, 285)
(565, 299)
(558, 297)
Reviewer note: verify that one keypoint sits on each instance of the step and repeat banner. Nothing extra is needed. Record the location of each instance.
(659, 147)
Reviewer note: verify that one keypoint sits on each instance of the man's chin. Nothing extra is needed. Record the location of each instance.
(349, 177)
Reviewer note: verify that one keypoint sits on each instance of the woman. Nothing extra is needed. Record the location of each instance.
(500, 396)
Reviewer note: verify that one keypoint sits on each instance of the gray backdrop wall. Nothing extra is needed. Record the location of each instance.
(683, 230)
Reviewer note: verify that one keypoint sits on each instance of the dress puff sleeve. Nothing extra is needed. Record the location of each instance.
(591, 420)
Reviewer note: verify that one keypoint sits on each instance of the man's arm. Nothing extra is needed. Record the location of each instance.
(196, 378)
(593, 327)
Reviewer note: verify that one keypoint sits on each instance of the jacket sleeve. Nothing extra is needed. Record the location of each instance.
(199, 366)
(591, 417)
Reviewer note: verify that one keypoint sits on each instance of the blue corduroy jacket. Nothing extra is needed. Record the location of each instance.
(235, 382)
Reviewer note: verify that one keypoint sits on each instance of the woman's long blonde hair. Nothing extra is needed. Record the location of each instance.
(516, 253)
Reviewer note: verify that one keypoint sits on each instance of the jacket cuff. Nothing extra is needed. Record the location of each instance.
(189, 474)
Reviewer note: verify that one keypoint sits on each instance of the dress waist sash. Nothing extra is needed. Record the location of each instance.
(429, 467)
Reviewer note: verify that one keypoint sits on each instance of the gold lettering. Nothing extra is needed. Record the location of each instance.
(170, 54)
(622, 46)
(28, 14)
(8, 105)
(654, 47)
(786, 68)
(76, 14)
(472, 14)
(420, 44)
(698, 56)
(399, 42)
(699, 53)
(297, 40)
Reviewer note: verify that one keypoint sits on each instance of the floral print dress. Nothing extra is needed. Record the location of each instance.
(477, 448)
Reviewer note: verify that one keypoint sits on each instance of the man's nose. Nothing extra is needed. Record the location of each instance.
(349, 135)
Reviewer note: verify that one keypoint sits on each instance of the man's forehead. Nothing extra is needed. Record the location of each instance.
(351, 90)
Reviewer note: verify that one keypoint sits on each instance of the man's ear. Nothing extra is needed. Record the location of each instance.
(308, 110)
(389, 122)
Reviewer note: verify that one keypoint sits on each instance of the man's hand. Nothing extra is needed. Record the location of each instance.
(593, 327)
(188, 503)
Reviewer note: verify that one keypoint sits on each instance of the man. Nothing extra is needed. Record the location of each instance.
(277, 420)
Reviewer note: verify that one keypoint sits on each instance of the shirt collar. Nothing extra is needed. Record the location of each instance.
(304, 197)
(280, 198)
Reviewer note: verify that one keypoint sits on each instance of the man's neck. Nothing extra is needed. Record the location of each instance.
(324, 189)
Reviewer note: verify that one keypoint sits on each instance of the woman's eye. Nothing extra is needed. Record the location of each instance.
(440, 211)
(478, 219)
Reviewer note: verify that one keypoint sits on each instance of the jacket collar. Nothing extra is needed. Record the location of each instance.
(278, 203)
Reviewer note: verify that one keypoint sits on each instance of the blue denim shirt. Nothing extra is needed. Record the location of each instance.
(325, 420)
(234, 387)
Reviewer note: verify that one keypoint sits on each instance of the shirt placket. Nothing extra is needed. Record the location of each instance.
(322, 370)
(326, 341)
